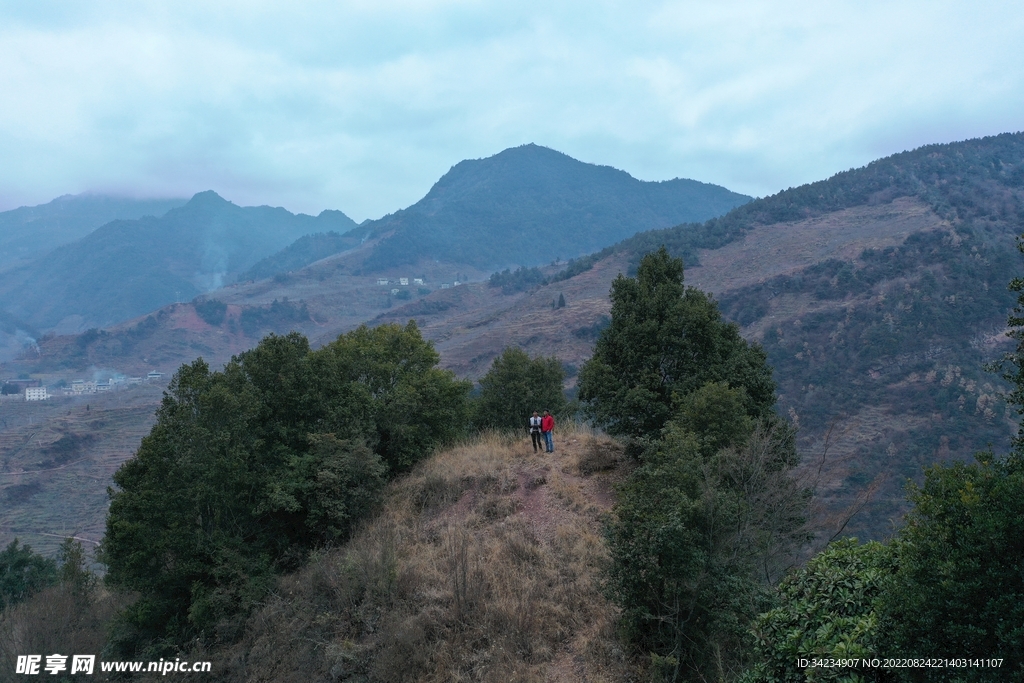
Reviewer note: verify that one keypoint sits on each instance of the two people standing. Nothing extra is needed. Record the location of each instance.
(543, 427)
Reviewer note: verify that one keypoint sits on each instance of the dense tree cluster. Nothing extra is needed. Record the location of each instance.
(825, 610)
(711, 507)
(517, 385)
(212, 311)
(248, 469)
(22, 573)
(518, 280)
(664, 342)
(277, 314)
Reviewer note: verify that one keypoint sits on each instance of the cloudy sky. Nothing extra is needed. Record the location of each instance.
(361, 105)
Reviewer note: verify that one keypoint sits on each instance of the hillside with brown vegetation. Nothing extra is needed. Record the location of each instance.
(471, 324)
(484, 564)
(57, 459)
(879, 296)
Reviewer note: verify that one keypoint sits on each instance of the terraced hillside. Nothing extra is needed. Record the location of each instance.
(57, 459)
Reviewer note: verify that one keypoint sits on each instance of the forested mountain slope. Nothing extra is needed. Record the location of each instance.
(127, 268)
(972, 182)
(879, 294)
(300, 253)
(30, 231)
(529, 205)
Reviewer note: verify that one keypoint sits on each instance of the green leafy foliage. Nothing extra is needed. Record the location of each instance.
(23, 573)
(412, 406)
(515, 387)
(693, 533)
(666, 341)
(248, 469)
(700, 527)
(827, 609)
(959, 586)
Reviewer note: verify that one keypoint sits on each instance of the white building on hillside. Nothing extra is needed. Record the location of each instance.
(80, 386)
(36, 394)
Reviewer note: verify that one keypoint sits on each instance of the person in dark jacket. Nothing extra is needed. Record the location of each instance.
(535, 431)
(547, 428)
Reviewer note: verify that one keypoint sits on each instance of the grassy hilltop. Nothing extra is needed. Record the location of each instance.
(483, 564)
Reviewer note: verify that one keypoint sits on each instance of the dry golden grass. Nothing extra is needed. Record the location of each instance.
(484, 565)
(56, 620)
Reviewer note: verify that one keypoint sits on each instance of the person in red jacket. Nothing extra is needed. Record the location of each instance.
(547, 428)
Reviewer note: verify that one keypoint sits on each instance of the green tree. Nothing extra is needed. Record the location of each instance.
(248, 469)
(696, 528)
(959, 586)
(517, 385)
(664, 342)
(412, 406)
(212, 311)
(23, 573)
(827, 609)
(701, 527)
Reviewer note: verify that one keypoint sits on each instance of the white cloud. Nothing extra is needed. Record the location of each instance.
(361, 106)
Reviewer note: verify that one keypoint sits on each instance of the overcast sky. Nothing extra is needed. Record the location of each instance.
(362, 105)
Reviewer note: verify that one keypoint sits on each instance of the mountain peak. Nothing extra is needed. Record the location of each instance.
(528, 204)
(207, 198)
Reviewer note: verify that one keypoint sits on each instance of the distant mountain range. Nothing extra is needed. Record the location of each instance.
(879, 295)
(525, 206)
(31, 231)
(126, 268)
